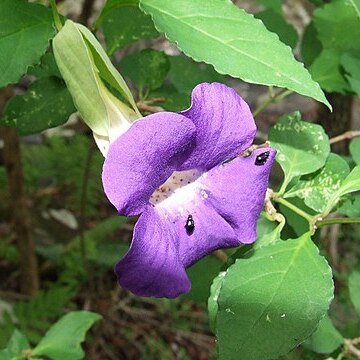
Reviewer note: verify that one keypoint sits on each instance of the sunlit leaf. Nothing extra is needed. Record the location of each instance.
(275, 298)
(302, 147)
(64, 338)
(316, 189)
(221, 34)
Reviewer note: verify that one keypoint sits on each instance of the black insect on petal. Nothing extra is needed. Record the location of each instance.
(189, 225)
(261, 159)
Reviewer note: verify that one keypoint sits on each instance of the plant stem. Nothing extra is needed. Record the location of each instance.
(294, 208)
(342, 220)
(56, 16)
(271, 99)
(348, 135)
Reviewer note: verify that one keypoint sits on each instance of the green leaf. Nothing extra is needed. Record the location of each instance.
(327, 72)
(46, 68)
(310, 45)
(185, 74)
(274, 21)
(325, 339)
(316, 189)
(351, 207)
(298, 224)
(275, 298)
(62, 341)
(124, 23)
(349, 185)
(302, 147)
(201, 276)
(25, 31)
(338, 24)
(354, 289)
(147, 68)
(208, 32)
(46, 104)
(17, 343)
(355, 150)
(213, 306)
(351, 64)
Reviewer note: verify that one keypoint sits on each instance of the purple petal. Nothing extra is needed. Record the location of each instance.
(224, 125)
(237, 190)
(152, 266)
(211, 231)
(143, 158)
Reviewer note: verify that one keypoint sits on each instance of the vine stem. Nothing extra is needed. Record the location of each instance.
(294, 208)
(56, 16)
(341, 220)
(271, 99)
(345, 136)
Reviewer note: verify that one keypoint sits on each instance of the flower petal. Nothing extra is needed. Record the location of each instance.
(224, 125)
(211, 231)
(152, 266)
(143, 158)
(237, 190)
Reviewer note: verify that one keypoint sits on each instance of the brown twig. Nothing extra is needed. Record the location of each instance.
(351, 348)
(345, 136)
(20, 213)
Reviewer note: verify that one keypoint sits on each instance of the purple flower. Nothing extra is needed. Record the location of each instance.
(182, 173)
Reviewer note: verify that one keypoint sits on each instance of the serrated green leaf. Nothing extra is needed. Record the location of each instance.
(124, 23)
(316, 189)
(147, 68)
(46, 104)
(302, 147)
(46, 68)
(185, 74)
(325, 339)
(62, 341)
(354, 289)
(25, 31)
(351, 64)
(354, 148)
(275, 298)
(221, 34)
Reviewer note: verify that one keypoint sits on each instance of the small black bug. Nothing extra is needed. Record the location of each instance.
(190, 225)
(261, 159)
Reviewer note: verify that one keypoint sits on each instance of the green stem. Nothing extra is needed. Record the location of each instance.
(56, 16)
(342, 220)
(294, 208)
(271, 99)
